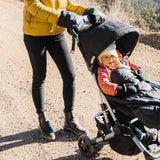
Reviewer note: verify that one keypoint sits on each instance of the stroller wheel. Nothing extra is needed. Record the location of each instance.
(85, 146)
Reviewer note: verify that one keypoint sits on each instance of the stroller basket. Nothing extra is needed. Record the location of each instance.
(92, 40)
(122, 142)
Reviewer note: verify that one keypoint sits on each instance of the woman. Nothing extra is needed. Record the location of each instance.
(43, 27)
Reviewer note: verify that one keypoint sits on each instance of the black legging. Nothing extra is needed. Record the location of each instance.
(57, 47)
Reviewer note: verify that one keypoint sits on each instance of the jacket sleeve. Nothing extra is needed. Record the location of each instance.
(105, 84)
(78, 9)
(41, 11)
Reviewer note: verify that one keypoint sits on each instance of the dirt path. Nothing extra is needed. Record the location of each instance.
(20, 138)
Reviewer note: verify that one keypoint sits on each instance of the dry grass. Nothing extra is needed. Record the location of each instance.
(152, 39)
(115, 13)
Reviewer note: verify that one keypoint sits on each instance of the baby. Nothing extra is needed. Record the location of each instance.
(109, 60)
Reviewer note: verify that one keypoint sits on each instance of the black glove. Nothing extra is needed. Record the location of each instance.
(126, 90)
(139, 74)
(96, 16)
(70, 20)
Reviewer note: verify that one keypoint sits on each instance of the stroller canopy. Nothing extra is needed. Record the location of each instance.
(94, 39)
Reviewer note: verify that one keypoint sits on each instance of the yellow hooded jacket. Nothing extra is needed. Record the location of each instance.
(40, 17)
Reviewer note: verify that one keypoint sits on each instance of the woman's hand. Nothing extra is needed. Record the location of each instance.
(70, 20)
(96, 16)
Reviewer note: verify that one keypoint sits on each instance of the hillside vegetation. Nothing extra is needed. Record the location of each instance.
(140, 5)
(146, 13)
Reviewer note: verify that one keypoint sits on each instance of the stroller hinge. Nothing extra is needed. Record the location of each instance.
(103, 106)
(73, 46)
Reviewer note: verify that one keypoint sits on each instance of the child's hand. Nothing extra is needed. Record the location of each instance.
(126, 90)
(139, 74)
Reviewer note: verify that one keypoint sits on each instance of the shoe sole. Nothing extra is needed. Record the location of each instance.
(46, 137)
(70, 129)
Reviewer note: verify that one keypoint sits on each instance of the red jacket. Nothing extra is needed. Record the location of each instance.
(104, 80)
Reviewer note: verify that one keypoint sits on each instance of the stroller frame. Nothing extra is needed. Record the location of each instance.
(88, 146)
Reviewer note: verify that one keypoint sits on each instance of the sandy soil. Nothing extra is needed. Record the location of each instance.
(19, 136)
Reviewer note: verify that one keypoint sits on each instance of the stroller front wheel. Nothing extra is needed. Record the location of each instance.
(85, 146)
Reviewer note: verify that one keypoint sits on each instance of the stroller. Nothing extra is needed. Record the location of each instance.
(116, 126)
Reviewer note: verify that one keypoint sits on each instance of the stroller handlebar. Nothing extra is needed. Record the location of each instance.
(86, 19)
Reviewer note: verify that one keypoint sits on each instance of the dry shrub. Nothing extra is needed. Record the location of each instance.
(152, 39)
(89, 3)
(115, 12)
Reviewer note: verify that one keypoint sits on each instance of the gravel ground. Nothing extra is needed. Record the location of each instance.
(19, 135)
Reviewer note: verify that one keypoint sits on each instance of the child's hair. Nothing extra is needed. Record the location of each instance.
(110, 50)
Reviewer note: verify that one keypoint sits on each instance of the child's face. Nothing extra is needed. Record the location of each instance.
(109, 60)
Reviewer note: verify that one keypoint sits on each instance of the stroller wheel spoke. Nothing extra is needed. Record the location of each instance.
(85, 146)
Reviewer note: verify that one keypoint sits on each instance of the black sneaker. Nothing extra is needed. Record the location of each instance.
(47, 131)
(72, 124)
